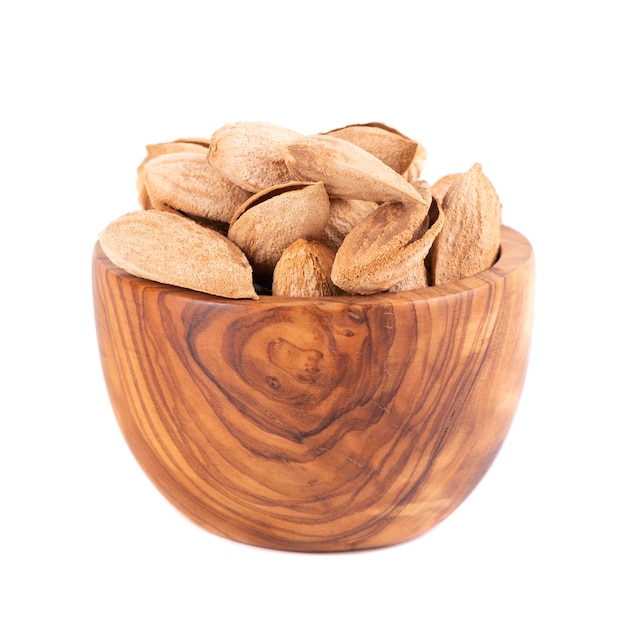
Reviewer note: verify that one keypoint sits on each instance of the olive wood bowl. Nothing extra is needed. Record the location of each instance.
(326, 424)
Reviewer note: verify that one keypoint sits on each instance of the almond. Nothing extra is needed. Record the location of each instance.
(187, 183)
(386, 246)
(395, 149)
(345, 215)
(414, 172)
(304, 270)
(174, 250)
(159, 149)
(348, 171)
(440, 187)
(251, 154)
(470, 238)
(267, 223)
(416, 278)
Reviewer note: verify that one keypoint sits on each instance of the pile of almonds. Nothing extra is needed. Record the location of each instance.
(259, 209)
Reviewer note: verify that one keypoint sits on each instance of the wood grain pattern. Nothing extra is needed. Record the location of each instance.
(346, 423)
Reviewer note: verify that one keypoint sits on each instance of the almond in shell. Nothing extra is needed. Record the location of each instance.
(267, 223)
(348, 171)
(304, 270)
(470, 238)
(345, 215)
(419, 275)
(159, 149)
(187, 183)
(392, 147)
(384, 248)
(251, 154)
(440, 187)
(172, 249)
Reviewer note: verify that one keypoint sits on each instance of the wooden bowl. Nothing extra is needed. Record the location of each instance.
(325, 424)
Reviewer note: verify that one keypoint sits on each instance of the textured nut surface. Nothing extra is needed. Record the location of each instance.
(175, 250)
(265, 225)
(186, 182)
(348, 171)
(384, 248)
(304, 270)
(345, 215)
(418, 276)
(395, 149)
(415, 278)
(171, 147)
(440, 187)
(251, 154)
(414, 171)
(470, 238)
(356, 190)
(160, 149)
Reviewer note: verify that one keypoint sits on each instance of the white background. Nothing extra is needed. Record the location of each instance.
(533, 91)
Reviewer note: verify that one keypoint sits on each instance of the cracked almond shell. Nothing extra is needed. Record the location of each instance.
(345, 215)
(267, 223)
(384, 248)
(392, 147)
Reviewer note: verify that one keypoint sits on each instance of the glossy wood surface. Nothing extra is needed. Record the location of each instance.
(317, 425)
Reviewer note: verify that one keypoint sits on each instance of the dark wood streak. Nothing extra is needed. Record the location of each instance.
(433, 434)
(349, 423)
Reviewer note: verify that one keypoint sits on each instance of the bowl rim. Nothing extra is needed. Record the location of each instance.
(515, 252)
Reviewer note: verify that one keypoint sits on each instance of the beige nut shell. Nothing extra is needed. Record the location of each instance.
(174, 250)
(251, 154)
(304, 270)
(470, 238)
(384, 248)
(267, 223)
(348, 171)
(186, 182)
